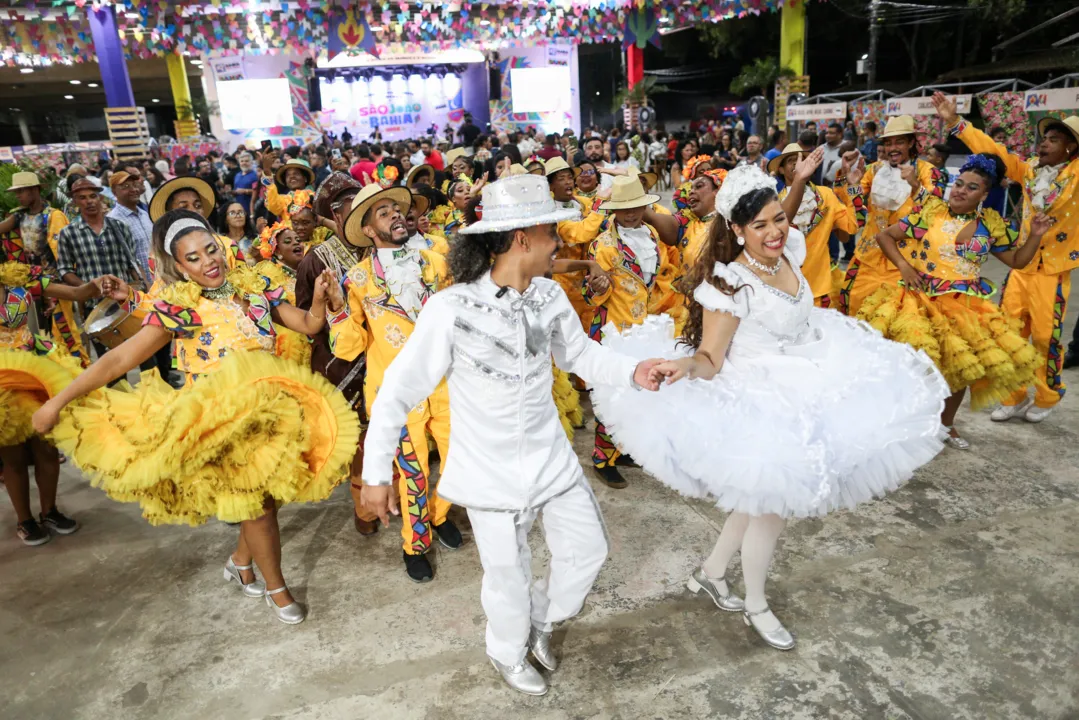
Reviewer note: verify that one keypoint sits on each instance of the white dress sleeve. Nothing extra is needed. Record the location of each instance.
(796, 246)
(712, 298)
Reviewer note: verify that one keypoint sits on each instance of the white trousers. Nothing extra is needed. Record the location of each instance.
(512, 602)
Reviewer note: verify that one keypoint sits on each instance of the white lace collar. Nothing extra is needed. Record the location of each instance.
(1042, 185)
(806, 208)
(889, 190)
(643, 245)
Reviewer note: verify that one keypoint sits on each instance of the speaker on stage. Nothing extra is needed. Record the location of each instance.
(494, 83)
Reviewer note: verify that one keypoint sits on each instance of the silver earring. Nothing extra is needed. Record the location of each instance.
(741, 240)
(980, 206)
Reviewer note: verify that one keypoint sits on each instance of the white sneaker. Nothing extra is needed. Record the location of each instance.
(1036, 414)
(1007, 412)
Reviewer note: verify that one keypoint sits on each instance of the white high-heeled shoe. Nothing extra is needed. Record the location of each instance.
(291, 614)
(255, 588)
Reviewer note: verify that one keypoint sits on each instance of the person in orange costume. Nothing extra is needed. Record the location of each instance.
(881, 195)
(386, 293)
(815, 210)
(1037, 294)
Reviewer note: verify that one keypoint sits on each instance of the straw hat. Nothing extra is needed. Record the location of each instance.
(898, 126)
(1071, 122)
(557, 164)
(520, 201)
(301, 165)
(420, 204)
(77, 169)
(368, 196)
(452, 155)
(648, 180)
(791, 149)
(167, 190)
(535, 167)
(417, 172)
(23, 180)
(628, 193)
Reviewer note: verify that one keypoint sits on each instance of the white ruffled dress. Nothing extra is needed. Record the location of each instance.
(812, 411)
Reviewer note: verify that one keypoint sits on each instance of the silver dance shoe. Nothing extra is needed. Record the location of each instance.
(540, 642)
(291, 614)
(779, 638)
(730, 602)
(522, 677)
(255, 588)
(955, 442)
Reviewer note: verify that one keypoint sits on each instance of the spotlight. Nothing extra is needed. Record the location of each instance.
(26, 71)
(75, 82)
(69, 97)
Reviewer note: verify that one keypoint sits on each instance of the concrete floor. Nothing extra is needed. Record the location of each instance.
(954, 598)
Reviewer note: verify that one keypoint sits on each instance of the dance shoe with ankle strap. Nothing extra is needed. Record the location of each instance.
(779, 638)
(255, 588)
(291, 614)
(721, 595)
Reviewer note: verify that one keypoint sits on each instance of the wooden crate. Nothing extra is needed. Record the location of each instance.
(784, 88)
(129, 132)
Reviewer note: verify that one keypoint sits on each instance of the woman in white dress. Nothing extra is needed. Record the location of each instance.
(788, 410)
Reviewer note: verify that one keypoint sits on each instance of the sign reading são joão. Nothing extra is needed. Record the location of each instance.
(390, 114)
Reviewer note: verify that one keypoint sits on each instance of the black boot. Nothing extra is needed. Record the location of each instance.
(612, 477)
(626, 461)
(418, 568)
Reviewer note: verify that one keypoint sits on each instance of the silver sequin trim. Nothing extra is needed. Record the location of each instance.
(537, 373)
(538, 303)
(484, 369)
(468, 302)
(498, 344)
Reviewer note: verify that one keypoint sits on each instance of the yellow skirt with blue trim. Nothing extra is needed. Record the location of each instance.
(259, 427)
(973, 343)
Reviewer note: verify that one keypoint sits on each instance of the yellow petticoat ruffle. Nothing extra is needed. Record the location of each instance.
(258, 427)
(27, 381)
(568, 402)
(292, 346)
(973, 343)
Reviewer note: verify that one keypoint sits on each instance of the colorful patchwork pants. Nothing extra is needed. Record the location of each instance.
(1040, 302)
(421, 507)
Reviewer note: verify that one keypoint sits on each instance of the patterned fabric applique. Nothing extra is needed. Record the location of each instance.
(1055, 356)
(418, 517)
(180, 321)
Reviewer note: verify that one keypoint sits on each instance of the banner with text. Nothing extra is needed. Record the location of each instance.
(1047, 100)
(399, 108)
(923, 105)
(820, 111)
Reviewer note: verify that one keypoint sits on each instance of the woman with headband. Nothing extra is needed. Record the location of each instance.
(279, 251)
(248, 433)
(942, 304)
(789, 410)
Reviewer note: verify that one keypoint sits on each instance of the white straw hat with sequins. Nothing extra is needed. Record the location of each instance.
(518, 201)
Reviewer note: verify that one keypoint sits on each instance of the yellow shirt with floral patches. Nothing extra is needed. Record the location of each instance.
(373, 322)
(875, 220)
(1059, 251)
(630, 297)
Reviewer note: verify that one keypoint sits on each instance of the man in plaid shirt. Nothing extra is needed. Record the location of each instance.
(94, 244)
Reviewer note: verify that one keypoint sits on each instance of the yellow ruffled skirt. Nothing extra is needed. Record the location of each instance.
(258, 427)
(292, 346)
(973, 344)
(567, 400)
(27, 381)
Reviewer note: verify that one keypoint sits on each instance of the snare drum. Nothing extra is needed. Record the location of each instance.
(110, 324)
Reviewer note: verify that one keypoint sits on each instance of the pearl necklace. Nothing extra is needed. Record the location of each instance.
(767, 269)
(225, 290)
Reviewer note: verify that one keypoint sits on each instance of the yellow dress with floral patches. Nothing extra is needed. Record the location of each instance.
(247, 428)
(576, 236)
(972, 342)
(33, 368)
(290, 344)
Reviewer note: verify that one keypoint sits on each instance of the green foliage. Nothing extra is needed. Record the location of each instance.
(760, 75)
(640, 93)
(8, 203)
